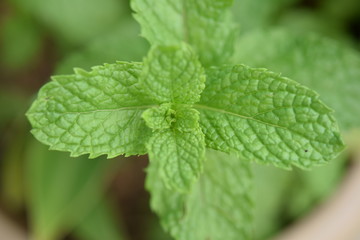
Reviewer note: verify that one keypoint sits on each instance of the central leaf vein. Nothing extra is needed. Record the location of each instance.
(106, 110)
(198, 106)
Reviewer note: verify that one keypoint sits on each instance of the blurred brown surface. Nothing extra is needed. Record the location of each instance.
(10, 231)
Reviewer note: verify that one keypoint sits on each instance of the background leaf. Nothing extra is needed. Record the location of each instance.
(74, 22)
(254, 14)
(21, 41)
(62, 190)
(218, 207)
(100, 223)
(122, 43)
(274, 183)
(12, 166)
(310, 188)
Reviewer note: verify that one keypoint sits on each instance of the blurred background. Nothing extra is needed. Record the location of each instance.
(47, 195)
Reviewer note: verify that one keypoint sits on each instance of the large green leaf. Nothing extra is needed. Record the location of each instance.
(268, 118)
(62, 191)
(218, 206)
(97, 112)
(206, 25)
(330, 68)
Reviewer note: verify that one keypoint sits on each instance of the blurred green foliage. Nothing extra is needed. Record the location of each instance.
(119, 42)
(63, 195)
(21, 41)
(75, 21)
(100, 223)
(62, 191)
(258, 14)
(290, 195)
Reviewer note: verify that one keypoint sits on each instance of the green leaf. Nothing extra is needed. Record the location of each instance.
(179, 156)
(330, 68)
(218, 206)
(173, 74)
(100, 223)
(268, 118)
(62, 191)
(206, 25)
(97, 112)
(177, 144)
(167, 115)
(160, 117)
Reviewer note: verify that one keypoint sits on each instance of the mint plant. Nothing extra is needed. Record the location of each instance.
(182, 100)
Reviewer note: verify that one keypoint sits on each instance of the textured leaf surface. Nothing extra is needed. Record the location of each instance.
(179, 156)
(206, 25)
(161, 117)
(173, 74)
(267, 118)
(331, 69)
(218, 206)
(167, 115)
(97, 112)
